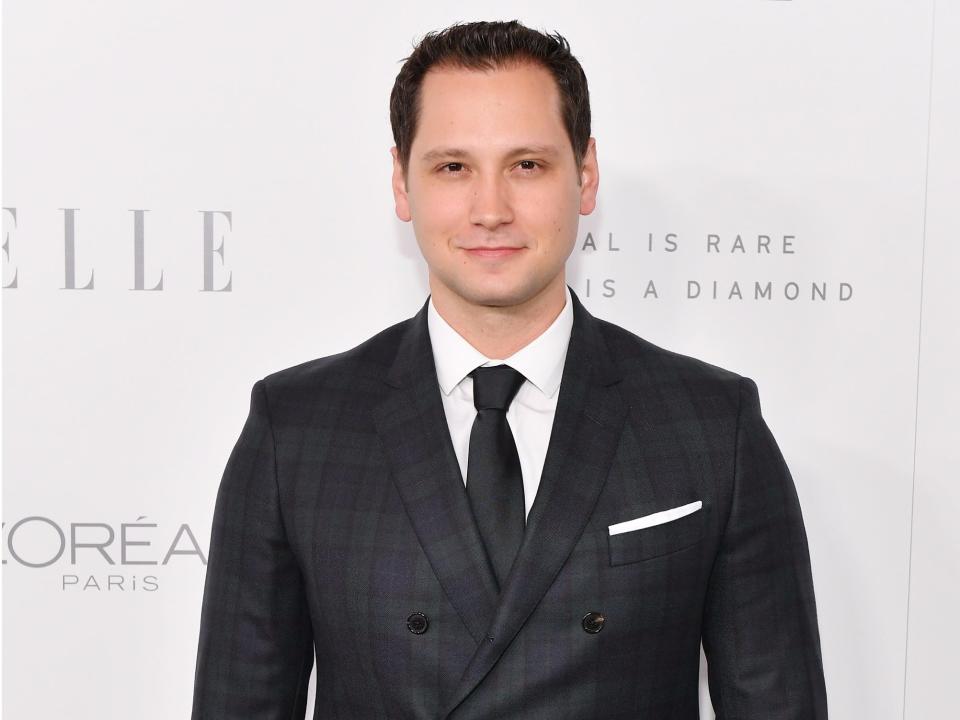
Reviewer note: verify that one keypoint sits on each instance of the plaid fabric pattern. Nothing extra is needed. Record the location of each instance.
(341, 512)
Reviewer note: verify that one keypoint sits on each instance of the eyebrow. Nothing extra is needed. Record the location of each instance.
(459, 153)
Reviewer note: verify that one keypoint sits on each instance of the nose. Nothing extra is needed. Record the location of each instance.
(491, 204)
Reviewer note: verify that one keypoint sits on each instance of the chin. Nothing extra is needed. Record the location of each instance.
(498, 293)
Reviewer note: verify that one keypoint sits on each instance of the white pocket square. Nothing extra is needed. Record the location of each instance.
(657, 518)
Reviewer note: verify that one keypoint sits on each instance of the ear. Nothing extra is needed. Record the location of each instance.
(589, 179)
(402, 204)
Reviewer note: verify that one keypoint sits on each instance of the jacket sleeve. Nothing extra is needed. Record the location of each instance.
(256, 645)
(760, 632)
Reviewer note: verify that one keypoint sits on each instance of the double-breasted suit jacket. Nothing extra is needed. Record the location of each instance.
(343, 536)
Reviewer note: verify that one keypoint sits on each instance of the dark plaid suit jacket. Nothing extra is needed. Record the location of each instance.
(342, 511)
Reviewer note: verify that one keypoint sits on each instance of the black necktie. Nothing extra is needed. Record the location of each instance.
(494, 480)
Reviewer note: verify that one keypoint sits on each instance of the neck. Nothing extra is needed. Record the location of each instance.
(499, 331)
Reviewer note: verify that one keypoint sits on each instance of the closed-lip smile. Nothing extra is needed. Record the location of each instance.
(492, 250)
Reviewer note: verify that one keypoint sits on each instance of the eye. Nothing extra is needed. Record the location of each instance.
(451, 168)
(529, 165)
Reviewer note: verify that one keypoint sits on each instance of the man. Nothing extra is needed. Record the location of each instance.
(505, 507)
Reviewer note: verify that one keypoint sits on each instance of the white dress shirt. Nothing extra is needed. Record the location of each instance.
(531, 413)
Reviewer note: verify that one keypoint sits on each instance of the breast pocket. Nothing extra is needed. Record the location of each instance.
(654, 534)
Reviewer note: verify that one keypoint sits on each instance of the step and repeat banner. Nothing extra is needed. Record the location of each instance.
(197, 194)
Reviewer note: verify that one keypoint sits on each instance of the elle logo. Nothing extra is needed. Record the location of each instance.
(209, 252)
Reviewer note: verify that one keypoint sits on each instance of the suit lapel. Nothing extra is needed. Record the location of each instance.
(415, 437)
(413, 431)
(586, 430)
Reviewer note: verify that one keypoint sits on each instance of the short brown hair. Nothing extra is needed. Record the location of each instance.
(488, 46)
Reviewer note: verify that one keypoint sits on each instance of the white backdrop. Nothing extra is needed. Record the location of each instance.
(254, 138)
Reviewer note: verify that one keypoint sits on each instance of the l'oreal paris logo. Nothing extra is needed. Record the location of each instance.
(39, 542)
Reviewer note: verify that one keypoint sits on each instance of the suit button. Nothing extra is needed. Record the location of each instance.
(593, 622)
(417, 623)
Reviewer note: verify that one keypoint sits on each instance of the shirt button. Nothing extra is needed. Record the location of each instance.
(592, 622)
(417, 623)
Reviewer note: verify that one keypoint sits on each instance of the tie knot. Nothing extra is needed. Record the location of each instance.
(494, 386)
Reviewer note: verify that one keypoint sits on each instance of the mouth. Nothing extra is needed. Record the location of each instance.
(492, 252)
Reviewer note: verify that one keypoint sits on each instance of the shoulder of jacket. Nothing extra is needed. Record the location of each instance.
(639, 358)
(363, 365)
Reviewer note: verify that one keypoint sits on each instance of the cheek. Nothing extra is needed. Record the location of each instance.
(555, 208)
(436, 215)
(555, 224)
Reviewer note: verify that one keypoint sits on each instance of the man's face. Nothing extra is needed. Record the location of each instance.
(492, 185)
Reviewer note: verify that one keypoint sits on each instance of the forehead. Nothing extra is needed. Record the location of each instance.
(474, 106)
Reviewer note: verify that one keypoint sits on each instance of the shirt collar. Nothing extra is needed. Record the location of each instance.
(540, 361)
